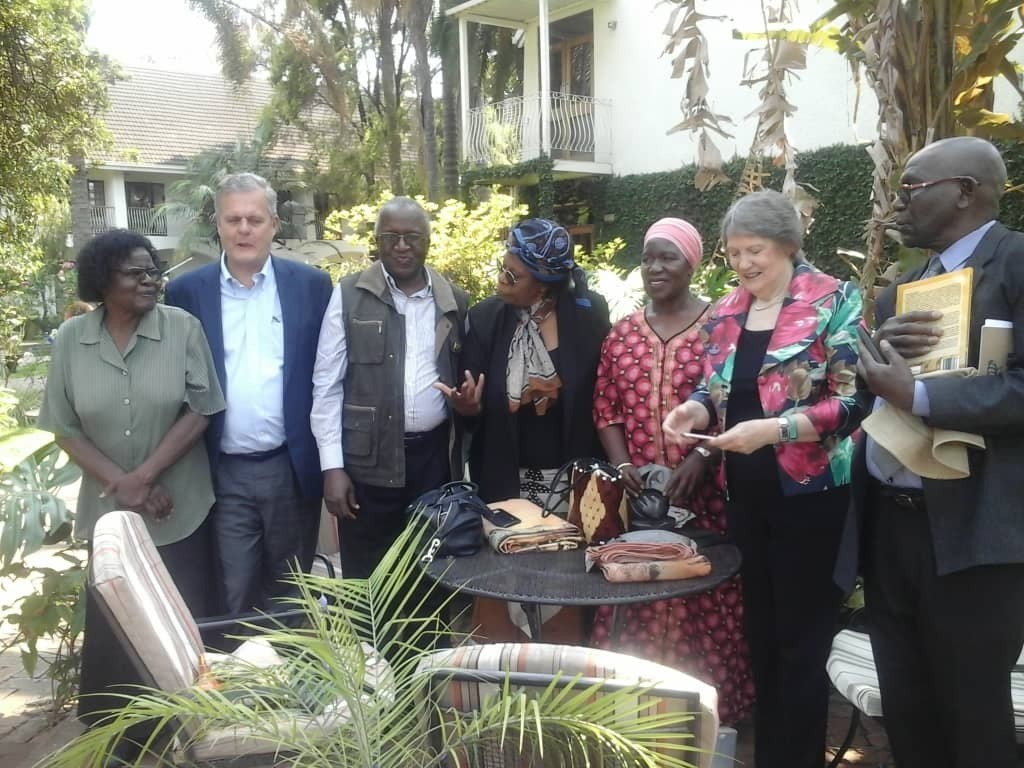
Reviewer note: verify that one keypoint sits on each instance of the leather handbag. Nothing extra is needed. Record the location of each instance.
(596, 498)
(648, 511)
(451, 516)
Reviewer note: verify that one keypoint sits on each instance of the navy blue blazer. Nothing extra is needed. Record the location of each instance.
(304, 293)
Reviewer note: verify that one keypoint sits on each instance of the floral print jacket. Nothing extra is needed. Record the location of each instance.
(810, 367)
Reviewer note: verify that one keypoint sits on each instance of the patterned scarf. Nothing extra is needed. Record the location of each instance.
(530, 376)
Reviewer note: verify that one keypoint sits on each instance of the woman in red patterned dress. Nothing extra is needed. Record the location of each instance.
(651, 362)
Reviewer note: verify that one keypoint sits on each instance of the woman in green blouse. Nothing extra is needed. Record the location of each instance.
(130, 387)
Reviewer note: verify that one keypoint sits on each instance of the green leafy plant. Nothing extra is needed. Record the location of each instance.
(385, 716)
(465, 242)
(32, 472)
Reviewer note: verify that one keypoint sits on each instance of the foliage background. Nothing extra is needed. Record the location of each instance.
(465, 242)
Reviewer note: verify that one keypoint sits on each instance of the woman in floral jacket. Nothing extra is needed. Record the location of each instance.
(779, 379)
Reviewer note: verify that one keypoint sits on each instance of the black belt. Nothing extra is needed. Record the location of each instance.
(904, 498)
(260, 455)
(417, 437)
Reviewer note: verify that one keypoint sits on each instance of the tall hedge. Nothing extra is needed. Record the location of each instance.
(838, 176)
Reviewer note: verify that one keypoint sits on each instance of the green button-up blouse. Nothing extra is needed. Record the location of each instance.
(125, 404)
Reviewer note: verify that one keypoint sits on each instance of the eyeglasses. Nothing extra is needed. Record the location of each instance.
(411, 239)
(506, 275)
(138, 273)
(906, 191)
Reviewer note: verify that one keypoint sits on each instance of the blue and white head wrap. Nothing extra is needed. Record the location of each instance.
(545, 248)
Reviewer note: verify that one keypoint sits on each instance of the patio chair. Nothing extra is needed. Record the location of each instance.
(851, 667)
(464, 677)
(163, 641)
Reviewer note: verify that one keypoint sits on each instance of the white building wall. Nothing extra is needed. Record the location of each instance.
(632, 72)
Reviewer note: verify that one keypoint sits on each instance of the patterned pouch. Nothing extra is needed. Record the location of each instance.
(596, 498)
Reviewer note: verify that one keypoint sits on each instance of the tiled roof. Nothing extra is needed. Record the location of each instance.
(164, 118)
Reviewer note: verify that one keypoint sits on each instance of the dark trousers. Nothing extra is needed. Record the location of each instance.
(791, 605)
(263, 529)
(106, 666)
(943, 645)
(382, 511)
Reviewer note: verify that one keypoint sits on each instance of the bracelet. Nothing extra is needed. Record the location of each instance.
(792, 427)
(623, 464)
(787, 429)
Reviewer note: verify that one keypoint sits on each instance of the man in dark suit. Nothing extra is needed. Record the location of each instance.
(944, 559)
(262, 318)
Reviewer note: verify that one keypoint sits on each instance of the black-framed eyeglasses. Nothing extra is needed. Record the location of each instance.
(411, 239)
(506, 275)
(906, 192)
(138, 273)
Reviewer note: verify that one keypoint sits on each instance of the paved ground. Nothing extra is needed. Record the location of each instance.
(28, 729)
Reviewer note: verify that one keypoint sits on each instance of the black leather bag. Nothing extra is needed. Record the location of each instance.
(648, 511)
(451, 516)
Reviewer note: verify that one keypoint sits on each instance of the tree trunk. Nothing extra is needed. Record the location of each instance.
(389, 93)
(81, 213)
(448, 49)
(418, 17)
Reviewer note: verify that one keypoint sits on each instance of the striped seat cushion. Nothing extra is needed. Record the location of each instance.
(567, 661)
(128, 575)
(1017, 692)
(851, 667)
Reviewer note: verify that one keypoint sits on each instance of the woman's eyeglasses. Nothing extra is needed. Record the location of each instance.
(506, 275)
(139, 273)
(411, 239)
(906, 191)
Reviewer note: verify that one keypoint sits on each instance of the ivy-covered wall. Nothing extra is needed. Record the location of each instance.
(624, 206)
(838, 176)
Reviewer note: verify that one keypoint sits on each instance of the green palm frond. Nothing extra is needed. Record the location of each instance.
(329, 702)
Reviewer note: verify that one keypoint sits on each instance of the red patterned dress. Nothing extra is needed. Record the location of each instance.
(641, 378)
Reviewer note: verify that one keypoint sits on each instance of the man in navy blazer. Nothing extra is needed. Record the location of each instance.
(262, 318)
(944, 559)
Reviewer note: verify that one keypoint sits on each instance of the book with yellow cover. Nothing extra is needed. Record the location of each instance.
(950, 294)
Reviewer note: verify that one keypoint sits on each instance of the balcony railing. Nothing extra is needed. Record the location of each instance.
(508, 131)
(147, 221)
(101, 218)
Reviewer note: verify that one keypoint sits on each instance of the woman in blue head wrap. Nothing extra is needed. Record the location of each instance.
(535, 346)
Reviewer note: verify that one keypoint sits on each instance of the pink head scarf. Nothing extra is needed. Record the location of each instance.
(682, 234)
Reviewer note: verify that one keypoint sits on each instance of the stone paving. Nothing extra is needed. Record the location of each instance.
(29, 730)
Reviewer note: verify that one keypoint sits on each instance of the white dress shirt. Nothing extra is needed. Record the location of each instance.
(425, 407)
(254, 362)
(885, 468)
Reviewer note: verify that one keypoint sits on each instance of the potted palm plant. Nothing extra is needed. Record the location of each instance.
(356, 709)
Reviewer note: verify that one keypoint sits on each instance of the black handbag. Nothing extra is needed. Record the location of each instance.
(648, 511)
(451, 517)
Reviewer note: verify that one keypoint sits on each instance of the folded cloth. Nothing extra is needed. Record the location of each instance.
(932, 452)
(648, 556)
(534, 531)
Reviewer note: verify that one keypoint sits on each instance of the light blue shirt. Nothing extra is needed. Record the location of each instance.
(254, 362)
(953, 258)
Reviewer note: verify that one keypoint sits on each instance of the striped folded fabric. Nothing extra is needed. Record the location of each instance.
(648, 556)
(535, 531)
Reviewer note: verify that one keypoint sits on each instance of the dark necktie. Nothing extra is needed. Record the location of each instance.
(934, 267)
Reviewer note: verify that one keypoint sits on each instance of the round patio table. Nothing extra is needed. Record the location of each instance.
(534, 579)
